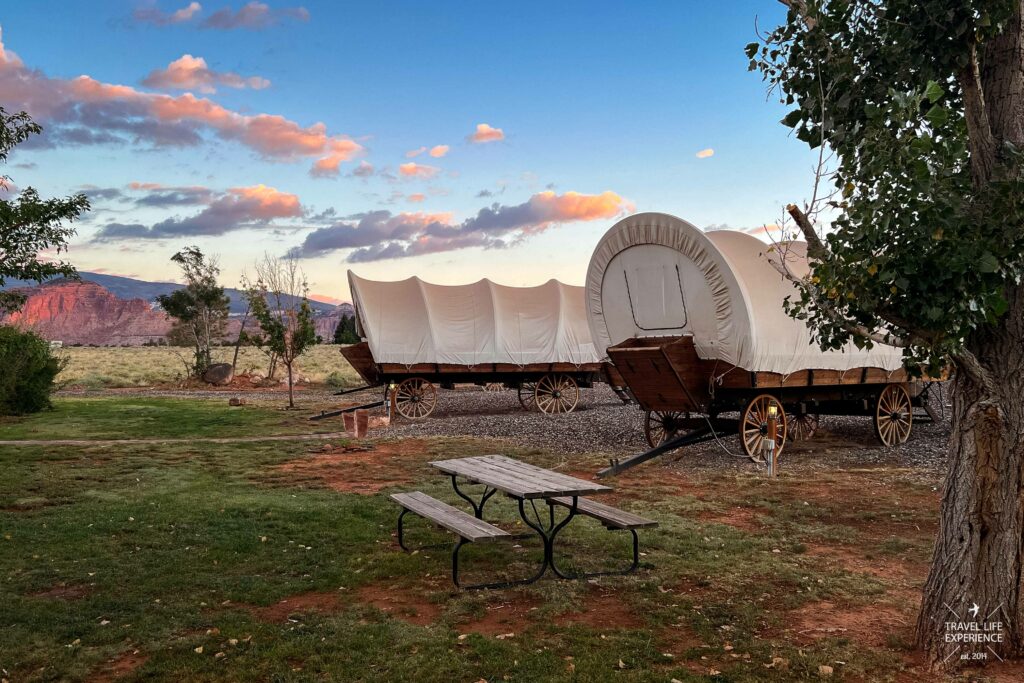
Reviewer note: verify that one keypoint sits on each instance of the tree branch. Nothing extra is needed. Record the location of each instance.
(980, 141)
(816, 249)
(801, 8)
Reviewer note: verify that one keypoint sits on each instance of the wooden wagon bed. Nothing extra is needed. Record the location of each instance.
(551, 387)
(671, 382)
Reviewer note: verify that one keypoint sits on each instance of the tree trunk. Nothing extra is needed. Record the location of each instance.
(238, 342)
(291, 399)
(980, 545)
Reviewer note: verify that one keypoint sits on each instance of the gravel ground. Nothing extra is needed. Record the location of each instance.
(602, 424)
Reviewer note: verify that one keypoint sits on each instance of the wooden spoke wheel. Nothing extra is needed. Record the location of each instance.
(491, 387)
(754, 426)
(527, 395)
(662, 425)
(893, 415)
(415, 398)
(556, 393)
(802, 427)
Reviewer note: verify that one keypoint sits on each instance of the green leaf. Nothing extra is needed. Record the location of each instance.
(937, 116)
(988, 263)
(933, 92)
(792, 118)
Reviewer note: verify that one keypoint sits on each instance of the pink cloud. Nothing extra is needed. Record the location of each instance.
(413, 153)
(153, 15)
(253, 16)
(192, 73)
(135, 185)
(486, 133)
(84, 110)
(414, 170)
(705, 153)
(438, 151)
(417, 197)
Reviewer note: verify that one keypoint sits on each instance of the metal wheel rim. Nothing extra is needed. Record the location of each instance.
(894, 415)
(658, 426)
(415, 398)
(556, 393)
(754, 422)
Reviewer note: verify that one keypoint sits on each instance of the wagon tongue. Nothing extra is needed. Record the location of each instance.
(616, 466)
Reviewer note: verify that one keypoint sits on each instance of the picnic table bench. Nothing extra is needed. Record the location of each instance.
(524, 483)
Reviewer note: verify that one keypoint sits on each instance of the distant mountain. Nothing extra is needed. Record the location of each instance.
(130, 288)
(124, 313)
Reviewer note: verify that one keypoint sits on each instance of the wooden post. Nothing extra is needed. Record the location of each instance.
(773, 430)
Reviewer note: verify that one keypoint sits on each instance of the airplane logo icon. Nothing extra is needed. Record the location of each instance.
(973, 611)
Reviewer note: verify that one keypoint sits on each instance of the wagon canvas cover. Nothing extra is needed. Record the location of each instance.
(655, 275)
(412, 321)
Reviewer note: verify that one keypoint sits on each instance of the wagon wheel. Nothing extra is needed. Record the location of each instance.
(893, 415)
(802, 427)
(754, 426)
(415, 398)
(492, 387)
(662, 425)
(527, 395)
(556, 393)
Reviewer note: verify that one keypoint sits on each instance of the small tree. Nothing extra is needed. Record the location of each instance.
(345, 332)
(200, 309)
(279, 304)
(28, 224)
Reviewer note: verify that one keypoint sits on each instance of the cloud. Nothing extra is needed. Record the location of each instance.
(413, 153)
(417, 197)
(84, 111)
(238, 208)
(705, 153)
(363, 170)
(151, 14)
(192, 73)
(156, 195)
(253, 16)
(94, 192)
(413, 170)
(485, 133)
(380, 235)
(438, 151)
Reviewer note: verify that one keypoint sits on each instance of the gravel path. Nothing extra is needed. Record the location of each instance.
(602, 424)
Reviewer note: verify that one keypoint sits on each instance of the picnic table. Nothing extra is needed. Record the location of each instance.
(526, 484)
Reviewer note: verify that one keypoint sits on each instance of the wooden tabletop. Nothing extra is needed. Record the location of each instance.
(518, 479)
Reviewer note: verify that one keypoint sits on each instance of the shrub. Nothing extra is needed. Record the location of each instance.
(29, 368)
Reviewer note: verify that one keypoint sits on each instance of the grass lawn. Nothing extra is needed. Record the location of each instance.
(276, 561)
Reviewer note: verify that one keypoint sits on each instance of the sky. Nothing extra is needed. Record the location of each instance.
(449, 140)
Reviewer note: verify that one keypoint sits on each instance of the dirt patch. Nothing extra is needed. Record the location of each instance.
(407, 604)
(865, 625)
(120, 667)
(509, 614)
(602, 611)
(63, 591)
(361, 469)
(324, 602)
(746, 519)
(853, 560)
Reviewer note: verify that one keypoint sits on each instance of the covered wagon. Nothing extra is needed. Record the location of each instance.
(417, 336)
(695, 323)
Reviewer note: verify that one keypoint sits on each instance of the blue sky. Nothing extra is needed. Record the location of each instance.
(602, 108)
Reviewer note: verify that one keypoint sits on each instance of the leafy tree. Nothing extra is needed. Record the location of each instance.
(200, 308)
(29, 370)
(917, 108)
(30, 224)
(345, 332)
(279, 304)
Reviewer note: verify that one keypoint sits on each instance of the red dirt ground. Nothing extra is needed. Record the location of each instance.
(120, 667)
(313, 601)
(63, 591)
(509, 613)
(603, 611)
(362, 469)
(402, 603)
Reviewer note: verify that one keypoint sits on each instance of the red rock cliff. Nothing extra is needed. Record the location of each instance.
(86, 313)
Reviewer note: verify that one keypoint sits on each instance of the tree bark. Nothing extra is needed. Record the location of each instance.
(291, 399)
(980, 545)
